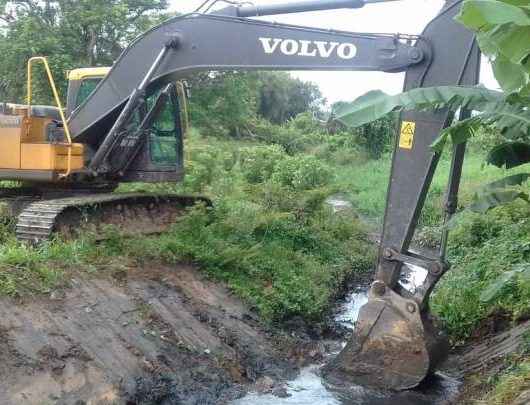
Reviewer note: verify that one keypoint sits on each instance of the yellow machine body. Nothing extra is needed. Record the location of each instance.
(27, 151)
(23, 145)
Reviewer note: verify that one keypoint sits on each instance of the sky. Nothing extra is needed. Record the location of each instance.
(405, 17)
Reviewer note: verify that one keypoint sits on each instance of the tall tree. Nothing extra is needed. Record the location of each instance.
(223, 102)
(72, 33)
(226, 101)
(283, 97)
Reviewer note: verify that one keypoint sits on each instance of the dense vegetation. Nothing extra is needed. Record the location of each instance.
(271, 236)
(261, 153)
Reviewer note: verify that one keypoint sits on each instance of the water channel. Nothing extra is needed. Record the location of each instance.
(309, 388)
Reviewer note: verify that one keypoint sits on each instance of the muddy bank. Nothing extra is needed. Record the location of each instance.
(158, 334)
(166, 335)
(482, 361)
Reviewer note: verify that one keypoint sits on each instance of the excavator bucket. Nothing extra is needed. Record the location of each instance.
(394, 345)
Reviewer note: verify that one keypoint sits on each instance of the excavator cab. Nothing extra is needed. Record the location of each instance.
(81, 84)
(36, 145)
(160, 157)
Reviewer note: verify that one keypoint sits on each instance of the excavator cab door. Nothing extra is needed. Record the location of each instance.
(164, 135)
(159, 154)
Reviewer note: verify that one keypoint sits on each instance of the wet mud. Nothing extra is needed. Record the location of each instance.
(162, 335)
(167, 335)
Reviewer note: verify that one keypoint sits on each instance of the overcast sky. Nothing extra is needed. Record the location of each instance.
(406, 16)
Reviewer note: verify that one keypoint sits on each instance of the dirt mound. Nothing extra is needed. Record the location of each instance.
(159, 335)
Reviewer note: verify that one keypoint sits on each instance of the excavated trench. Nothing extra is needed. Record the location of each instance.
(309, 388)
(157, 334)
(166, 335)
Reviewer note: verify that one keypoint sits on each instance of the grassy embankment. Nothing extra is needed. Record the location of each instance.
(270, 236)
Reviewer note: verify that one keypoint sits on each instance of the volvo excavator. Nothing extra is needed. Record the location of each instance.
(126, 123)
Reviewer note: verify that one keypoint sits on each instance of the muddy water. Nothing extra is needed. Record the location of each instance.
(309, 388)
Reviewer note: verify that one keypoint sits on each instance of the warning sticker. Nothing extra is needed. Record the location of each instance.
(406, 139)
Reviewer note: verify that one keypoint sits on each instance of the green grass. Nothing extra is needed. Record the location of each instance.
(510, 384)
(270, 235)
(366, 184)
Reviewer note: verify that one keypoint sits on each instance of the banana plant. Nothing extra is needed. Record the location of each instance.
(503, 31)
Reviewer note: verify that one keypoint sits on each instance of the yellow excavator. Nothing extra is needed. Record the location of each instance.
(127, 123)
(59, 194)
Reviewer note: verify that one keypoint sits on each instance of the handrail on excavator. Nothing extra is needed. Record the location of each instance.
(57, 102)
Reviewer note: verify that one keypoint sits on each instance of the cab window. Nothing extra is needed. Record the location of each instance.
(85, 89)
(165, 135)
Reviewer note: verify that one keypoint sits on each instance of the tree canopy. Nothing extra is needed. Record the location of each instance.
(71, 33)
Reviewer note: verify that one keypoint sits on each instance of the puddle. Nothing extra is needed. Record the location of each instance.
(339, 203)
(308, 387)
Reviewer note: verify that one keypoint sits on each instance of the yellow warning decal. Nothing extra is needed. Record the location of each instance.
(406, 139)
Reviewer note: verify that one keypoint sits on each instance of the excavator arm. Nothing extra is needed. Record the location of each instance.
(197, 42)
(395, 344)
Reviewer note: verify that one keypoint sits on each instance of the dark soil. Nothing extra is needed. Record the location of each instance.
(158, 335)
(167, 335)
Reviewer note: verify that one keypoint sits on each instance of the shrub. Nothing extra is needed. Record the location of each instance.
(302, 173)
(201, 168)
(259, 162)
(487, 252)
(305, 123)
(289, 137)
(283, 264)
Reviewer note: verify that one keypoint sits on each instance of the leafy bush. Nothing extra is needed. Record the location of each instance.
(201, 168)
(283, 264)
(487, 252)
(259, 162)
(288, 136)
(305, 123)
(302, 173)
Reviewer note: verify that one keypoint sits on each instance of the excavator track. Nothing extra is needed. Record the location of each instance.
(131, 213)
